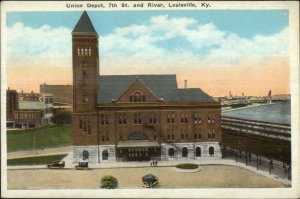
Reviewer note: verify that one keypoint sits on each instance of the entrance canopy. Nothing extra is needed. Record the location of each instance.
(140, 143)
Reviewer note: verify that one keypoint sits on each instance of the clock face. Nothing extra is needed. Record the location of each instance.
(85, 100)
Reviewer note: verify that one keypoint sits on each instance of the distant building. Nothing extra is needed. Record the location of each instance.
(28, 110)
(62, 94)
(136, 117)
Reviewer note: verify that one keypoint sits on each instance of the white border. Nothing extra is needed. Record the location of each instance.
(293, 192)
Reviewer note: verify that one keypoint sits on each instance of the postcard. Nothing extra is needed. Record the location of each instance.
(150, 99)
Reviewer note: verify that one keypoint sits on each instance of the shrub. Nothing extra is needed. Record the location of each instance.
(150, 180)
(187, 166)
(109, 182)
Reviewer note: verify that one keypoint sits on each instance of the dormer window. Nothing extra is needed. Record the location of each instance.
(137, 97)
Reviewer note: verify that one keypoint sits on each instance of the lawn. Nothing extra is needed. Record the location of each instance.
(40, 160)
(47, 136)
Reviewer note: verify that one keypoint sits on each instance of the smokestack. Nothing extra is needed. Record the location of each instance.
(185, 83)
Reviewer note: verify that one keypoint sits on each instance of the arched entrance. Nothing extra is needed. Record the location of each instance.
(211, 151)
(105, 155)
(198, 152)
(184, 152)
(171, 152)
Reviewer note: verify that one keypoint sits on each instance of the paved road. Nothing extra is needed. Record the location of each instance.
(40, 152)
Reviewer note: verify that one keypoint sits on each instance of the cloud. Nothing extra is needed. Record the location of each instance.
(160, 44)
(37, 46)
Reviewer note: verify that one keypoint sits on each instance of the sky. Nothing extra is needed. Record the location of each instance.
(242, 51)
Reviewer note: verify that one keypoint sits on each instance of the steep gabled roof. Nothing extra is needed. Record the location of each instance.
(84, 25)
(162, 86)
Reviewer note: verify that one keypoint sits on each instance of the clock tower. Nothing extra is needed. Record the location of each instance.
(85, 84)
(85, 66)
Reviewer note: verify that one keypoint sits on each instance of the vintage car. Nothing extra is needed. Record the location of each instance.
(150, 180)
(82, 166)
(60, 164)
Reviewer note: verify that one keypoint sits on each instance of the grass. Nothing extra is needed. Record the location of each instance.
(46, 136)
(39, 160)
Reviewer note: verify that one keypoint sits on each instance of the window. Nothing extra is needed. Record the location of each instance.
(82, 51)
(171, 152)
(105, 154)
(90, 51)
(84, 126)
(182, 134)
(104, 119)
(211, 151)
(184, 118)
(184, 152)
(172, 134)
(209, 118)
(197, 134)
(89, 127)
(137, 118)
(197, 118)
(78, 51)
(152, 118)
(122, 118)
(209, 134)
(198, 152)
(171, 118)
(213, 134)
(168, 134)
(213, 117)
(107, 137)
(85, 155)
(137, 97)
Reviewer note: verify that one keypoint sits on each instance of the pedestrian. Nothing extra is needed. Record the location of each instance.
(150, 163)
(156, 163)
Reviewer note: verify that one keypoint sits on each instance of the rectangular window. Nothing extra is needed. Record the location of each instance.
(172, 134)
(213, 117)
(209, 118)
(102, 119)
(89, 128)
(152, 118)
(106, 135)
(106, 120)
(169, 118)
(84, 126)
(186, 134)
(186, 118)
(209, 134)
(103, 136)
(137, 118)
(122, 118)
(182, 118)
(213, 134)
(131, 98)
(182, 134)
(173, 117)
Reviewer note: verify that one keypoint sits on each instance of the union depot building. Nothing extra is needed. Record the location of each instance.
(136, 117)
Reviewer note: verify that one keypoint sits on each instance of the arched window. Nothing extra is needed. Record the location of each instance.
(184, 152)
(198, 152)
(171, 152)
(85, 155)
(78, 51)
(105, 155)
(86, 51)
(90, 51)
(211, 151)
(82, 51)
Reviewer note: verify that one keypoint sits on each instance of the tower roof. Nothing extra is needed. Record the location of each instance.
(84, 25)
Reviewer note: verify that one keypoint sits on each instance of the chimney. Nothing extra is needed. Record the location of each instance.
(185, 84)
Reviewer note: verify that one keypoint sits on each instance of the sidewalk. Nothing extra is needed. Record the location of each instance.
(109, 165)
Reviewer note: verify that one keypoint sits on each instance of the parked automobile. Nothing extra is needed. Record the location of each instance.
(82, 166)
(60, 164)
